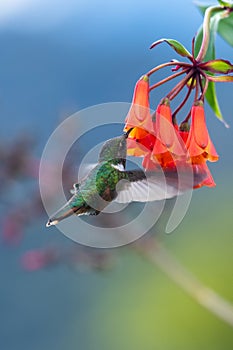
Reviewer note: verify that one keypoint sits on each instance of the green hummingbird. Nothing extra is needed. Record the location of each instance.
(109, 180)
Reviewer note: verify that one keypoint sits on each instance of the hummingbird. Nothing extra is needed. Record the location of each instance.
(109, 180)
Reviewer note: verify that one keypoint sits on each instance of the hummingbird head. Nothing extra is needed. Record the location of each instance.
(115, 149)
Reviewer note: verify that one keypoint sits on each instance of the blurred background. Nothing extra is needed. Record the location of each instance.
(56, 58)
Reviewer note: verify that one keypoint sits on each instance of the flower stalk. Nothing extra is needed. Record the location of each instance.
(206, 31)
(168, 64)
(165, 80)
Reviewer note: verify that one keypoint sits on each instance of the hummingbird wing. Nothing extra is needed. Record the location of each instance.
(140, 186)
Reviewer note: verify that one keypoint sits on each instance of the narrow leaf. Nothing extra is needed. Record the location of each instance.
(218, 66)
(176, 45)
(213, 102)
(221, 78)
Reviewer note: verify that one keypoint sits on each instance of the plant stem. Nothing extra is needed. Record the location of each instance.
(165, 80)
(206, 31)
(203, 295)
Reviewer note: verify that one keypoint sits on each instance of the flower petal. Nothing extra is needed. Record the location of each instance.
(163, 124)
(139, 113)
(148, 163)
(168, 138)
(208, 179)
(135, 149)
(199, 142)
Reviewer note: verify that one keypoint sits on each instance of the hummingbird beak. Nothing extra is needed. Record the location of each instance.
(126, 134)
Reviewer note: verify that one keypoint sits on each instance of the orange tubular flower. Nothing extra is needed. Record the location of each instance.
(140, 147)
(162, 143)
(199, 144)
(168, 143)
(163, 124)
(139, 110)
(140, 141)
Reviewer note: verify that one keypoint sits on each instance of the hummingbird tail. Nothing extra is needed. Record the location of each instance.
(61, 214)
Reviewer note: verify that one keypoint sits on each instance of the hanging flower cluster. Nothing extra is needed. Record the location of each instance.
(156, 136)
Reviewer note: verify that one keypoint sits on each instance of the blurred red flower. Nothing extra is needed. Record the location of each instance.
(38, 259)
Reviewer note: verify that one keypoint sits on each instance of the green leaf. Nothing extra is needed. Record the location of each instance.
(218, 66)
(176, 45)
(221, 78)
(211, 98)
(225, 3)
